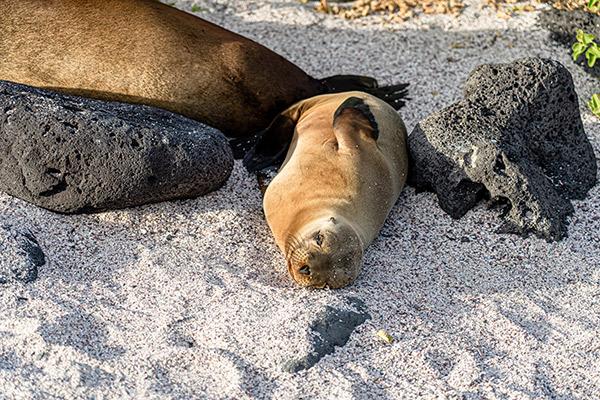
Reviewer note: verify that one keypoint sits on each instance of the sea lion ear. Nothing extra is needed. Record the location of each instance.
(271, 145)
(355, 113)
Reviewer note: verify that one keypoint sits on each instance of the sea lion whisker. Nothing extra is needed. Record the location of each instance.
(292, 245)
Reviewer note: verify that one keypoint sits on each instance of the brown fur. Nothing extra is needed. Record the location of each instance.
(336, 186)
(143, 51)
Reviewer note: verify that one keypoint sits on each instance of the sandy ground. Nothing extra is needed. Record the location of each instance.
(191, 299)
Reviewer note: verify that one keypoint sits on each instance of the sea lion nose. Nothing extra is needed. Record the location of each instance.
(304, 270)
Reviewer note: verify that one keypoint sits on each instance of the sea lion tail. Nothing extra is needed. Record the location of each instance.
(395, 95)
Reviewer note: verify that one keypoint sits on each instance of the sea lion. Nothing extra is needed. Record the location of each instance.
(143, 51)
(343, 164)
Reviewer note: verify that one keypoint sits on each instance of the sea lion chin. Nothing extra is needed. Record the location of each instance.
(326, 253)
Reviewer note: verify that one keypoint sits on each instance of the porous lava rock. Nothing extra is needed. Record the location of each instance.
(517, 138)
(71, 154)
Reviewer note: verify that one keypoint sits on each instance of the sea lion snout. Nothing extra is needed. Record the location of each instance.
(329, 254)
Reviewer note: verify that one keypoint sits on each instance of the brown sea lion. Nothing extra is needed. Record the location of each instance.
(343, 164)
(143, 51)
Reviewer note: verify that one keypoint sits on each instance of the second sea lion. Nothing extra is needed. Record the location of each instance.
(143, 51)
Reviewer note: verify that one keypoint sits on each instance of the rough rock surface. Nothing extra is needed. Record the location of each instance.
(563, 26)
(20, 255)
(517, 136)
(71, 154)
(332, 328)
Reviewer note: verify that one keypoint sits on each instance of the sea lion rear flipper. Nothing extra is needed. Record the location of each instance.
(395, 95)
(351, 116)
(348, 83)
(272, 144)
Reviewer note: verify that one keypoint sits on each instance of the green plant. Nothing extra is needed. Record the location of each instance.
(585, 44)
(594, 105)
(197, 8)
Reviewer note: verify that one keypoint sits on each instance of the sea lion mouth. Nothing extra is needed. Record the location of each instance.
(304, 275)
(309, 270)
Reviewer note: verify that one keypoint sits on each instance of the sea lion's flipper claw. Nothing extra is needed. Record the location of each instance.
(395, 95)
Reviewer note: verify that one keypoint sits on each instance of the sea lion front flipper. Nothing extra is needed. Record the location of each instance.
(272, 144)
(354, 116)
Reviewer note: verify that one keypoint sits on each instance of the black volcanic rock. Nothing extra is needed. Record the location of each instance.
(72, 154)
(516, 137)
(20, 255)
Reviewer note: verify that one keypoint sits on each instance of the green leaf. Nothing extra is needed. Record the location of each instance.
(591, 59)
(594, 105)
(593, 4)
(585, 38)
(594, 102)
(592, 54)
(578, 49)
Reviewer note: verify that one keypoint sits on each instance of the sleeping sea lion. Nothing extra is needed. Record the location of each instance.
(343, 164)
(143, 51)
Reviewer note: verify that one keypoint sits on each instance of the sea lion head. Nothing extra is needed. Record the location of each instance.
(326, 252)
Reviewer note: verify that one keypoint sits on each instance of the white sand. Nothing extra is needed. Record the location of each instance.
(191, 299)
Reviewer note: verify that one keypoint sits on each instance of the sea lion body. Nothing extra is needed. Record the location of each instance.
(345, 167)
(143, 51)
